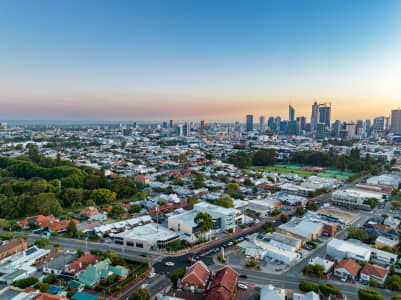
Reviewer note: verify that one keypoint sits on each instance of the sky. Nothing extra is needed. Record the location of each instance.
(192, 60)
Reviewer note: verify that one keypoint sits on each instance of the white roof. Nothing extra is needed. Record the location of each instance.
(345, 247)
(149, 232)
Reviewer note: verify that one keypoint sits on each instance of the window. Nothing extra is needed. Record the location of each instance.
(139, 245)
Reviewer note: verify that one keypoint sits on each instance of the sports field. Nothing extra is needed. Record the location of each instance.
(296, 169)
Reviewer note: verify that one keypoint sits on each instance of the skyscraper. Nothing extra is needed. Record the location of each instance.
(261, 122)
(171, 123)
(249, 122)
(271, 124)
(378, 124)
(368, 127)
(315, 116)
(203, 124)
(325, 113)
(186, 129)
(396, 121)
(291, 113)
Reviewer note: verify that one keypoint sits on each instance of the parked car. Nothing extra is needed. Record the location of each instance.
(230, 243)
(191, 260)
(151, 275)
(242, 286)
(144, 285)
(243, 276)
(169, 264)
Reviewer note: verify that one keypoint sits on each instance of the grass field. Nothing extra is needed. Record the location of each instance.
(285, 169)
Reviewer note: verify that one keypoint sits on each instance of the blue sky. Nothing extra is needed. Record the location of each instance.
(218, 60)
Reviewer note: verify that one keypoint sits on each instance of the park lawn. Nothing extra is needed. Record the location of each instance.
(285, 169)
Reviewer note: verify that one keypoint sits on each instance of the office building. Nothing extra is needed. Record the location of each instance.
(291, 127)
(291, 113)
(315, 116)
(325, 113)
(179, 130)
(261, 123)
(271, 124)
(336, 128)
(350, 128)
(186, 129)
(379, 124)
(368, 128)
(396, 121)
(203, 124)
(223, 218)
(249, 122)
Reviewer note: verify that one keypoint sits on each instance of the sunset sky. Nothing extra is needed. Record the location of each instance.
(191, 60)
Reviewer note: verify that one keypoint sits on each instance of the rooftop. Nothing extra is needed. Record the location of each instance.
(148, 232)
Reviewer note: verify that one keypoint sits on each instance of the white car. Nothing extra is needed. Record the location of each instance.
(242, 286)
(151, 275)
(144, 285)
(169, 264)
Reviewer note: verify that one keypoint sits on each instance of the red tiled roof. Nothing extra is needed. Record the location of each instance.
(45, 296)
(350, 265)
(223, 285)
(198, 275)
(374, 270)
(89, 211)
(82, 263)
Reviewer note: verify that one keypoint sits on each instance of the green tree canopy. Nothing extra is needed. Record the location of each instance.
(102, 196)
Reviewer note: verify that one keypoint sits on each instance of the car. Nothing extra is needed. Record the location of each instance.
(191, 260)
(243, 276)
(144, 285)
(169, 264)
(143, 255)
(230, 244)
(217, 249)
(151, 275)
(242, 286)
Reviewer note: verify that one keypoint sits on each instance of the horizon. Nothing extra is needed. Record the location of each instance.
(147, 61)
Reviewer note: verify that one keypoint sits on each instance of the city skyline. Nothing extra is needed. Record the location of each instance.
(185, 61)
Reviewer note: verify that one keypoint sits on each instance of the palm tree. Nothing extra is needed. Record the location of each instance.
(204, 221)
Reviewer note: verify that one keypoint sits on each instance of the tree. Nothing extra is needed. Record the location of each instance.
(72, 229)
(198, 180)
(356, 233)
(367, 294)
(264, 158)
(117, 210)
(26, 282)
(204, 221)
(140, 294)
(307, 286)
(226, 202)
(284, 218)
(394, 283)
(312, 205)
(268, 227)
(45, 203)
(102, 196)
(42, 243)
(135, 208)
(372, 202)
(192, 200)
(300, 211)
(328, 289)
(177, 274)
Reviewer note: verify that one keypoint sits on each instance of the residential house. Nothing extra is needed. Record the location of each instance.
(347, 268)
(12, 247)
(81, 264)
(101, 271)
(374, 272)
(224, 285)
(196, 278)
(308, 296)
